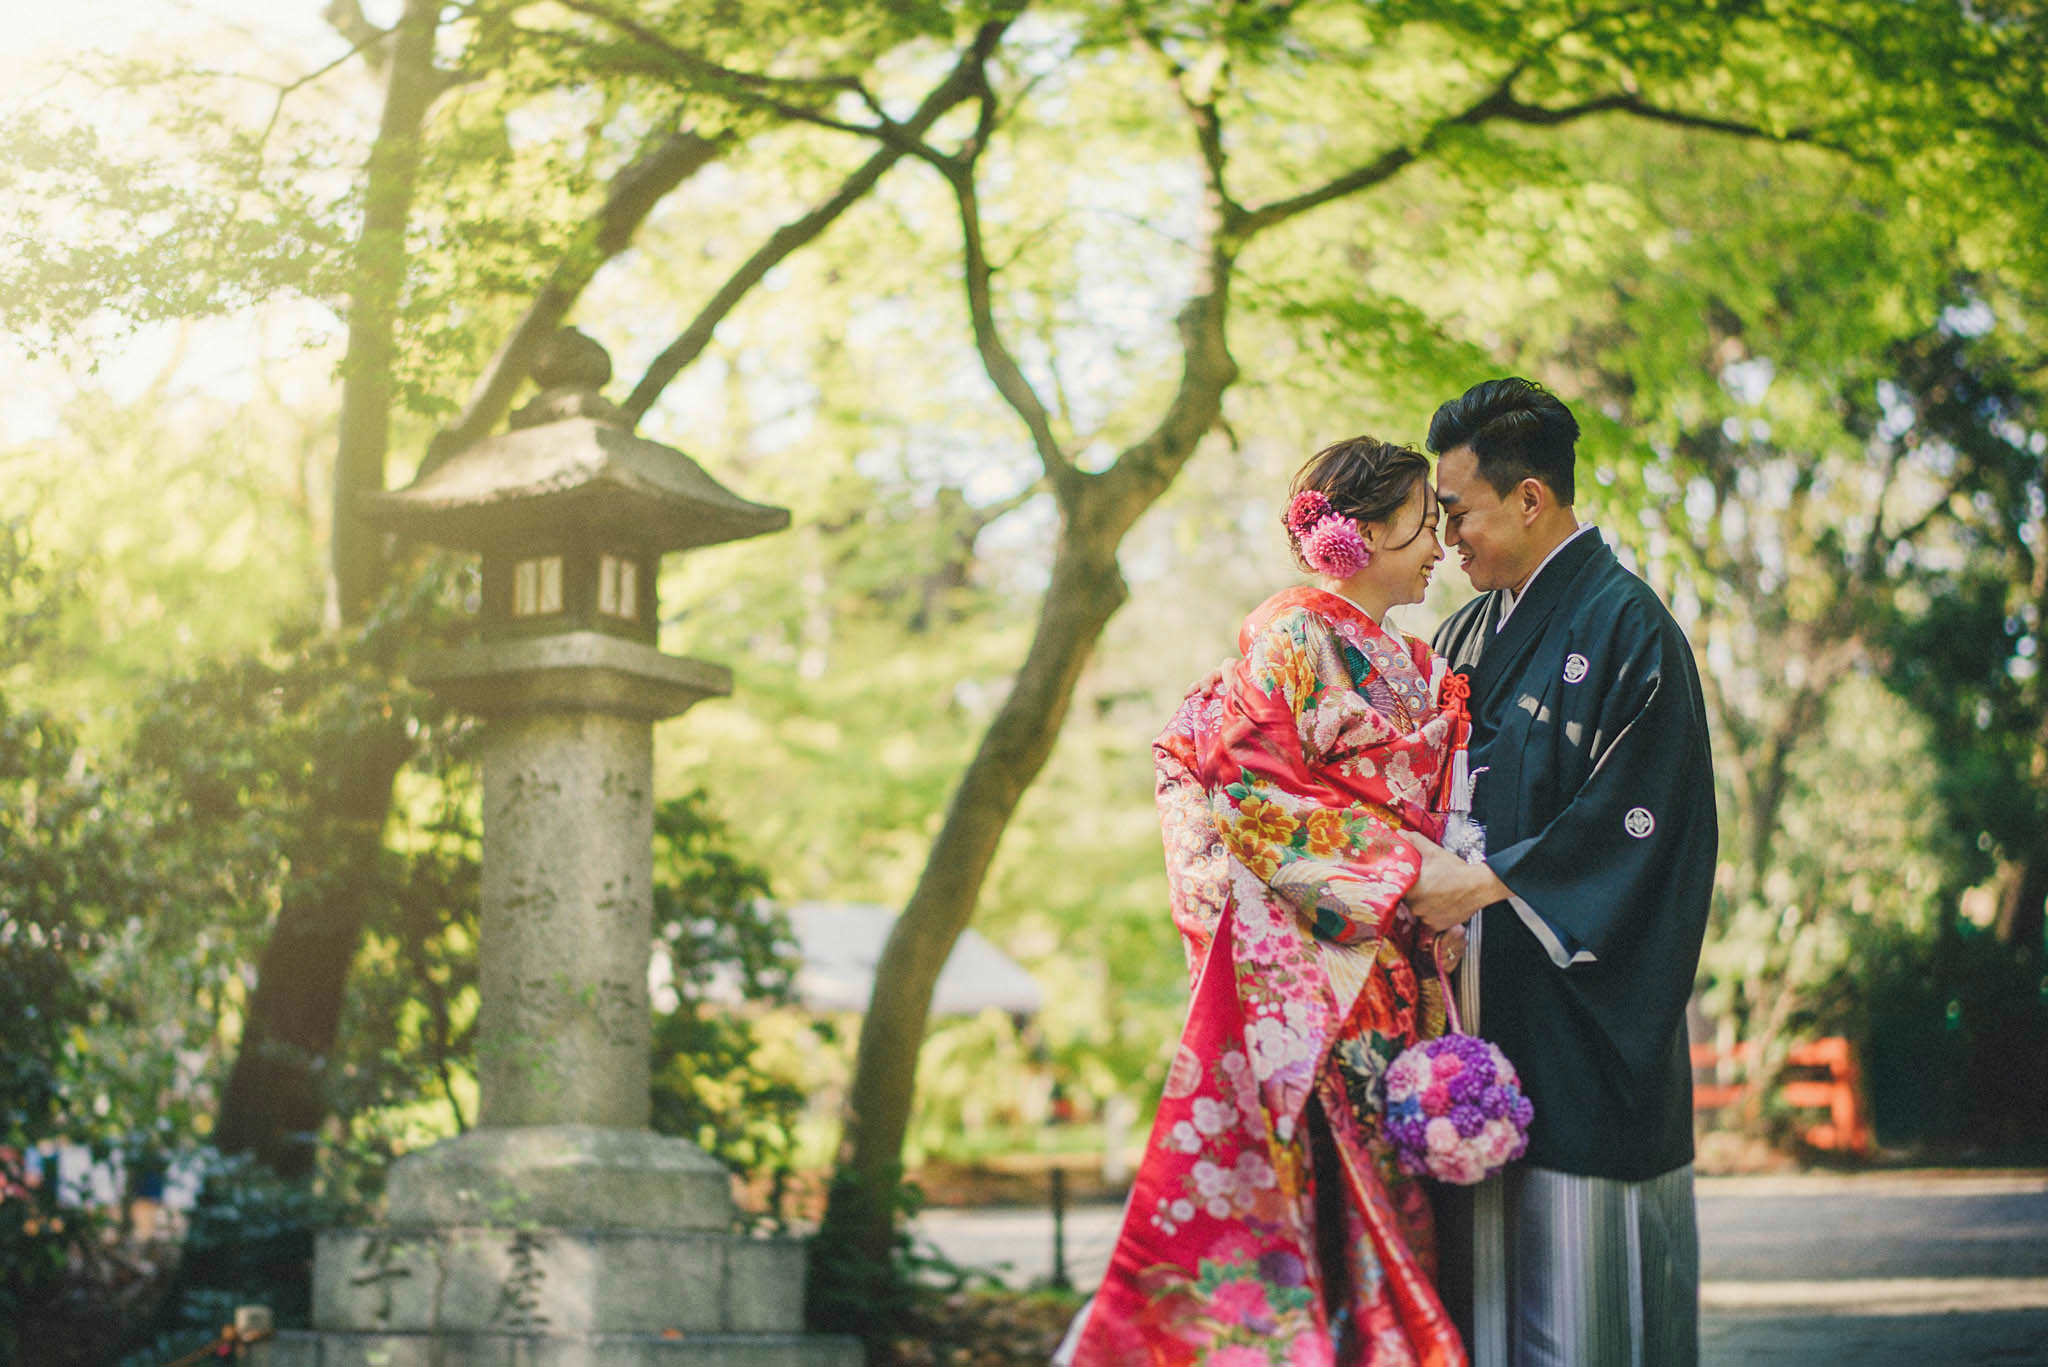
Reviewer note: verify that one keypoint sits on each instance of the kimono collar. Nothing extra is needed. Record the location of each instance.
(1333, 606)
(1540, 597)
(1509, 598)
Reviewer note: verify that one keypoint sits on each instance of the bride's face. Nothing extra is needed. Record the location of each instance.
(1405, 549)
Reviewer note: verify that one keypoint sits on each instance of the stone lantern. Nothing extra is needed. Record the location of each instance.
(561, 1228)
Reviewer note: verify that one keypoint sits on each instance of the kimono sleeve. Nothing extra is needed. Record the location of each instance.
(1609, 858)
(1341, 866)
(1197, 878)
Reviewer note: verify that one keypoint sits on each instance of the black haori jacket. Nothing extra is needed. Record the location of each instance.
(1597, 795)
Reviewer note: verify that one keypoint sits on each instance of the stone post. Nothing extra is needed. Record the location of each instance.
(561, 1229)
(562, 1027)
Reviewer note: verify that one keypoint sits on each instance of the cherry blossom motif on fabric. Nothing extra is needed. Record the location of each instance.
(1281, 806)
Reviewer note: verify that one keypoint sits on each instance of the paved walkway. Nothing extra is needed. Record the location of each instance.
(1878, 1270)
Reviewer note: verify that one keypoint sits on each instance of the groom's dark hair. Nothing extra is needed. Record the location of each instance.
(1516, 428)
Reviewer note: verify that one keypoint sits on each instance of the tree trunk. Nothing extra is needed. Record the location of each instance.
(852, 1264)
(852, 1270)
(276, 1097)
(2023, 908)
(1085, 591)
(367, 384)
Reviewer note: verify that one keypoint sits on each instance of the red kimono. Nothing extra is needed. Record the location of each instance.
(1281, 804)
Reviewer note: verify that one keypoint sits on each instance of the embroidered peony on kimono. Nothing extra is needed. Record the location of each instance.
(1268, 1224)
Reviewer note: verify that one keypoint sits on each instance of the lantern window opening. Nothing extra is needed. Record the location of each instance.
(618, 587)
(537, 586)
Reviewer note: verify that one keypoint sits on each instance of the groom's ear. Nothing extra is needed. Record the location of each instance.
(1532, 496)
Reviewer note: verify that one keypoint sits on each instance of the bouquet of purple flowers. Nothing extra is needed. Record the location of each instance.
(1455, 1108)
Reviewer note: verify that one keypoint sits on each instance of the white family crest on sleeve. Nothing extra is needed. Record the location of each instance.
(1639, 823)
(1574, 668)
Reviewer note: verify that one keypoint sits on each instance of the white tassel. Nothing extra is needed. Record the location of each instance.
(1463, 836)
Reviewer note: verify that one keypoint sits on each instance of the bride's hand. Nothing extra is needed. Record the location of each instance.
(1450, 948)
(1215, 681)
(1447, 891)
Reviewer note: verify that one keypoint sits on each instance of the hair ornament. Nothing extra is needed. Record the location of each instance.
(1309, 507)
(1335, 547)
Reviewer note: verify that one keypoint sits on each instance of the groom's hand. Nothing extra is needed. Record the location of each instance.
(1216, 680)
(1449, 892)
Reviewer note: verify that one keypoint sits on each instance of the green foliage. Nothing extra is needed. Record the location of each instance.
(250, 1242)
(1965, 645)
(99, 235)
(65, 867)
(725, 946)
(1955, 1060)
(1874, 169)
(66, 872)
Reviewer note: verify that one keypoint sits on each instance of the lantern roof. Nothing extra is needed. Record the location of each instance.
(580, 478)
(570, 472)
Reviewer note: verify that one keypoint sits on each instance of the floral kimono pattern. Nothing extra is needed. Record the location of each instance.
(1281, 804)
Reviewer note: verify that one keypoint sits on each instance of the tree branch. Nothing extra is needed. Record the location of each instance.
(346, 18)
(1149, 464)
(665, 162)
(1511, 110)
(1501, 105)
(377, 268)
(1200, 105)
(362, 45)
(1144, 469)
(996, 357)
(988, 516)
(748, 87)
(959, 85)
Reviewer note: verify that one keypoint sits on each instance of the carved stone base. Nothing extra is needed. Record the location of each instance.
(562, 1176)
(499, 1296)
(555, 1282)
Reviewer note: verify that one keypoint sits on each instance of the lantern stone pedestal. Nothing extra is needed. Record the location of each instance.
(561, 1231)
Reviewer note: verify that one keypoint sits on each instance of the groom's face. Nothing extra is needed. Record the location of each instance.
(1490, 540)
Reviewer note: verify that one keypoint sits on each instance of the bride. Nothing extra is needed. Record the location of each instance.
(1268, 1223)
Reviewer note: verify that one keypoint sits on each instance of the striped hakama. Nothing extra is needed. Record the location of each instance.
(1554, 1269)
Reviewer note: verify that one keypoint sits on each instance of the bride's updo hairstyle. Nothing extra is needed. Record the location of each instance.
(1364, 478)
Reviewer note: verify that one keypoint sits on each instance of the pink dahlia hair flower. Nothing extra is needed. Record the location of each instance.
(1309, 507)
(1335, 547)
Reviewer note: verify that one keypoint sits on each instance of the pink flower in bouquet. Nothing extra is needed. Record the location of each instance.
(1463, 1168)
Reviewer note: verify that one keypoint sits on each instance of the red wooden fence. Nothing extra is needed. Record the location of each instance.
(1835, 1087)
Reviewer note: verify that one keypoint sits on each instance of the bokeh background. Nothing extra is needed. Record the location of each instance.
(1027, 313)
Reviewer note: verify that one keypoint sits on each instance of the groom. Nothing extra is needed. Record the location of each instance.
(1596, 789)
